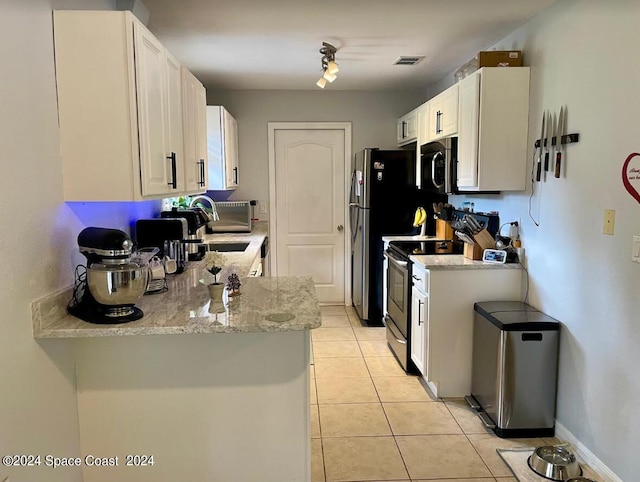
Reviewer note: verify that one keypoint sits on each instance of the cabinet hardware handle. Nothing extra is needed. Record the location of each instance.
(415, 277)
(404, 124)
(235, 175)
(174, 180)
(420, 320)
(438, 118)
(202, 182)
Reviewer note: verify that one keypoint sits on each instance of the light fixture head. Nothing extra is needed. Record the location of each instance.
(329, 76)
(332, 67)
(322, 82)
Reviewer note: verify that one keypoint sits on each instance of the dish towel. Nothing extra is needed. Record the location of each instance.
(516, 459)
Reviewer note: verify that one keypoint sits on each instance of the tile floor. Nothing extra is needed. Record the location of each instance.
(370, 421)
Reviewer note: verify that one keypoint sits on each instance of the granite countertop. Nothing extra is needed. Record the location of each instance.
(456, 261)
(238, 261)
(186, 306)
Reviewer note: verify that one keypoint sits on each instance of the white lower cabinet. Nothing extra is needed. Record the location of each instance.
(442, 320)
(419, 302)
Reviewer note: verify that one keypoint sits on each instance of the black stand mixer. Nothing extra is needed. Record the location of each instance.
(107, 288)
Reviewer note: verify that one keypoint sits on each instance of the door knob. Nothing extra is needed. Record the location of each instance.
(340, 227)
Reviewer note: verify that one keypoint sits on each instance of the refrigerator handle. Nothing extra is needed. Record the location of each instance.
(354, 225)
(353, 188)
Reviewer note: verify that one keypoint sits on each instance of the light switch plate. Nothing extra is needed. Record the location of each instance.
(635, 250)
(609, 221)
(263, 208)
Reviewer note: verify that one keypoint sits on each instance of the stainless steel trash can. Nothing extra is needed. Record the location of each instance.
(515, 365)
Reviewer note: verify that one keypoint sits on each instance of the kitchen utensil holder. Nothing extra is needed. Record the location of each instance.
(473, 251)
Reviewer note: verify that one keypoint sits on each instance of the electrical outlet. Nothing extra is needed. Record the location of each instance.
(263, 208)
(609, 221)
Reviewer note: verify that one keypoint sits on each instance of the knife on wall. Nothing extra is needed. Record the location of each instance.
(562, 125)
(547, 142)
(539, 165)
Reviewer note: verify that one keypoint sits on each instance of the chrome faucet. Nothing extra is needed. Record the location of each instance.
(214, 211)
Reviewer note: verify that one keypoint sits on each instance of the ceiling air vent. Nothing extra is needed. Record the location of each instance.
(408, 60)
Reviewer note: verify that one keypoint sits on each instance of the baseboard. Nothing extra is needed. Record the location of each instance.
(586, 455)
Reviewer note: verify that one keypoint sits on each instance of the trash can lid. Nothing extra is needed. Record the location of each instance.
(516, 316)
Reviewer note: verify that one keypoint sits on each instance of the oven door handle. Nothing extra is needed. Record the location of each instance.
(392, 328)
(395, 260)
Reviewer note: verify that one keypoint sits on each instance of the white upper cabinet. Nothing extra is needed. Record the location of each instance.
(408, 128)
(493, 127)
(194, 119)
(443, 115)
(119, 109)
(222, 149)
(159, 125)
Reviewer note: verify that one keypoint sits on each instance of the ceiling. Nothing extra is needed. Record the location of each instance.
(273, 44)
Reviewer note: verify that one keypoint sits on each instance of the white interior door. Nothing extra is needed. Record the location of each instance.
(309, 194)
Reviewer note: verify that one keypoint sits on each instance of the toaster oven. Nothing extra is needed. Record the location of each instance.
(235, 217)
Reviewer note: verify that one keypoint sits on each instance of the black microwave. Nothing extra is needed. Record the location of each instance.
(438, 166)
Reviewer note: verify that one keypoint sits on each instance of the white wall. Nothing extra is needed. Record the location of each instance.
(38, 407)
(373, 116)
(584, 55)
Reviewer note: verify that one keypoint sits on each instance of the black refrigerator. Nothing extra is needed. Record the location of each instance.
(382, 202)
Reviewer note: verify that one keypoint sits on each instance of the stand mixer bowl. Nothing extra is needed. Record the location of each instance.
(117, 287)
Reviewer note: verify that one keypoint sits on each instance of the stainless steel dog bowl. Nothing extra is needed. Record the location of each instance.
(117, 285)
(555, 463)
(579, 479)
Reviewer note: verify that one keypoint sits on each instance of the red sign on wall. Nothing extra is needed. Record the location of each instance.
(631, 175)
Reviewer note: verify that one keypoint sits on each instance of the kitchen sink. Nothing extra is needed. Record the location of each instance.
(226, 247)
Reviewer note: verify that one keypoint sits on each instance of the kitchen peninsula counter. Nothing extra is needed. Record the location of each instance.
(186, 309)
(227, 400)
(265, 304)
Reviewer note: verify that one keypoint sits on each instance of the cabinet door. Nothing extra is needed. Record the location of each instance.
(230, 150)
(188, 127)
(200, 129)
(468, 126)
(418, 332)
(408, 128)
(155, 164)
(195, 133)
(443, 114)
(173, 122)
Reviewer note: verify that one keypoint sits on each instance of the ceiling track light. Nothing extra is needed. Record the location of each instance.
(329, 65)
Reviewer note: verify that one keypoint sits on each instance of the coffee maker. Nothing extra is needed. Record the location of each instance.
(107, 288)
(197, 219)
(169, 235)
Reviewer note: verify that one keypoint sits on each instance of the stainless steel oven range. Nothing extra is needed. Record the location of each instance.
(398, 317)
